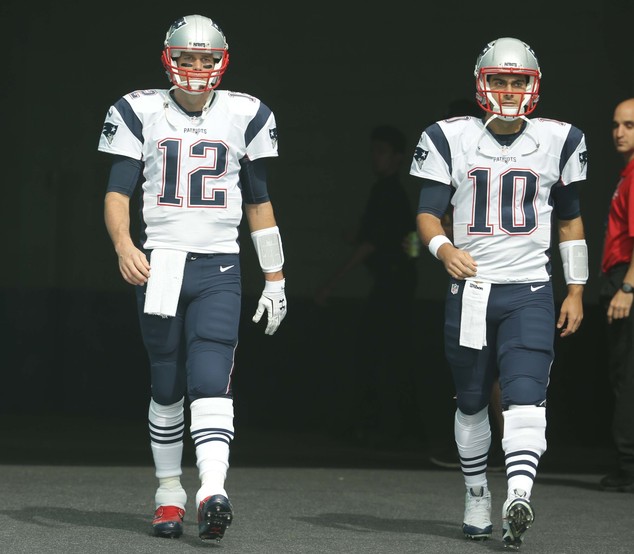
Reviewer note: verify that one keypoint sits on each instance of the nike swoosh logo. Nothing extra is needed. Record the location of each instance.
(533, 289)
(224, 268)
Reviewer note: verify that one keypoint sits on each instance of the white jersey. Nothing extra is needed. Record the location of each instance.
(191, 197)
(502, 207)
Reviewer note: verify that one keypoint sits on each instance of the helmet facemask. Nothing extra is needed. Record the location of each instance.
(514, 58)
(196, 34)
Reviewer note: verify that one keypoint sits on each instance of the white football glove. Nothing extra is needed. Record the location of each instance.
(273, 300)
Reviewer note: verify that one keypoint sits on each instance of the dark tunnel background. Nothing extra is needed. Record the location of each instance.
(71, 339)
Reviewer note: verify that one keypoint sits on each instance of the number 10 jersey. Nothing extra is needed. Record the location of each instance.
(502, 204)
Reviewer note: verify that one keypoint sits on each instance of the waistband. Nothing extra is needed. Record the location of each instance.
(195, 255)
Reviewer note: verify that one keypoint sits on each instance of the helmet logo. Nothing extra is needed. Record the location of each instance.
(177, 25)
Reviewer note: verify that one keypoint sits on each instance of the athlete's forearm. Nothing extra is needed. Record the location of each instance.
(429, 226)
(571, 229)
(260, 216)
(117, 218)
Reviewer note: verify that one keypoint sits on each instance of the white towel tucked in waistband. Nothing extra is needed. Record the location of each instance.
(164, 284)
(473, 325)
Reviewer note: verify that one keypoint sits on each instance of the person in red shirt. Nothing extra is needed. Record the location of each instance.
(616, 296)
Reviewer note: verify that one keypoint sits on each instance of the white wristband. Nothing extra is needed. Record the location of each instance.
(274, 286)
(436, 242)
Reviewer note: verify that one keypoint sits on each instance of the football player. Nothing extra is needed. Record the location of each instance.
(196, 156)
(503, 175)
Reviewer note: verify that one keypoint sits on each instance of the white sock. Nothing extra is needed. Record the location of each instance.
(212, 432)
(473, 439)
(524, 443)
(167, 425)
(170, 493)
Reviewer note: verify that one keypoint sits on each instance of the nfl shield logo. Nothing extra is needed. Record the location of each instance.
(454, 288)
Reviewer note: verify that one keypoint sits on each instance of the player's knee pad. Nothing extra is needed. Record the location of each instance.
(527, 392)
(524, 429)
(472, 403)
(213, 380)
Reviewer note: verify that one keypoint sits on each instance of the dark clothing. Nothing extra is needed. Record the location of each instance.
(387, 219)
(620, 346)
(617, 253)
(384, 357)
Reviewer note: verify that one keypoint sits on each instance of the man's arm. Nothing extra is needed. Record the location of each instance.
(133, 263)
(458, 263)
(575, 272)
(268, 245)
(259, 217)
(621, 303)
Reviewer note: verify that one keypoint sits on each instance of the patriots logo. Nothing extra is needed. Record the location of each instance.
(273, 135)
(583, 158)
(420, 156)
(109, 131)
(177, 25)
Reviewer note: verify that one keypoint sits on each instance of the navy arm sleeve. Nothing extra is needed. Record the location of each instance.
(253, 181)
(124, 175)
(566, 201)
(434, 198)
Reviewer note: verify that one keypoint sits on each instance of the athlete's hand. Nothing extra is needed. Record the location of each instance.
(571, 313)
(458, 263)
(133, 265)
(273, 301)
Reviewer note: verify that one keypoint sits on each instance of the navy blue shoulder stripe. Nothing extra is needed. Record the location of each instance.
(131, 119)
(256, 124)
(572, 141)
(438, 138)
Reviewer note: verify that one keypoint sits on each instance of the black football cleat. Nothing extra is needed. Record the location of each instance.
(215, 514)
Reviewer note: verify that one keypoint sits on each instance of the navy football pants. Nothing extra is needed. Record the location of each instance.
(520, 346)
(193, 352)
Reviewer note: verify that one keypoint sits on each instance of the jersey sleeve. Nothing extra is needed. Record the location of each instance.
(574, 157)
(261, 134)
(122, 131)
(432, 157)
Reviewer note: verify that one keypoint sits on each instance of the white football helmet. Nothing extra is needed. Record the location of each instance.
(195, 33)
(509, 56)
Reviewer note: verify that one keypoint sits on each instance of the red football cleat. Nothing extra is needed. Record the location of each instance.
(168, 522)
